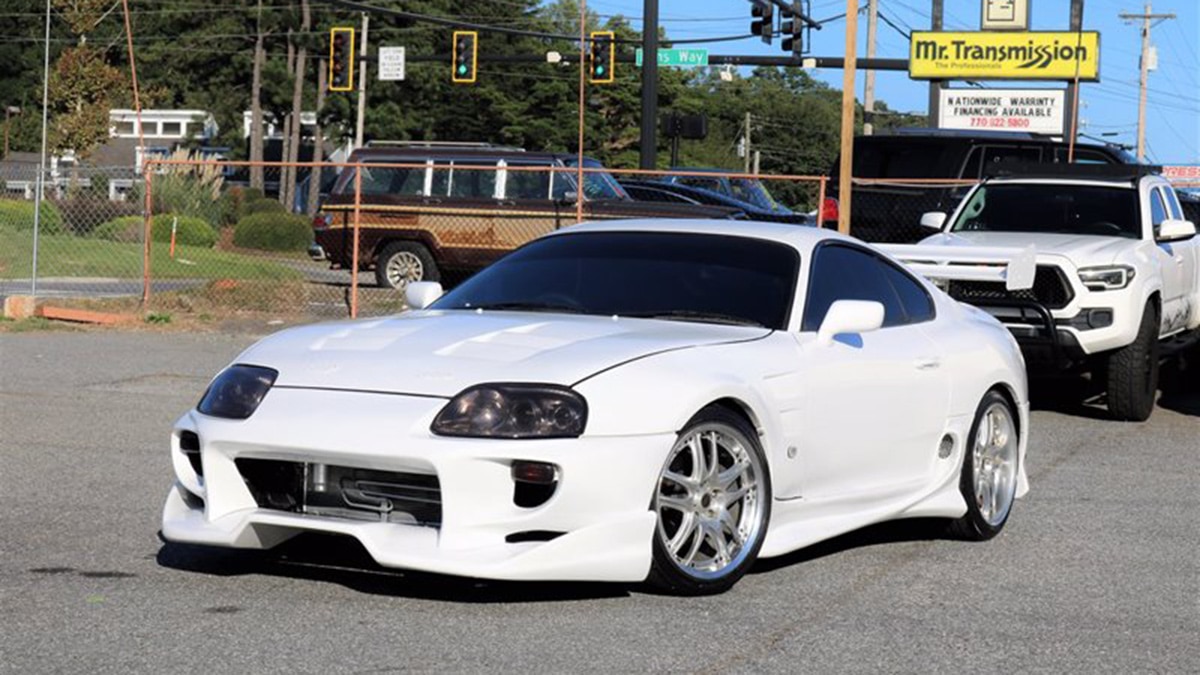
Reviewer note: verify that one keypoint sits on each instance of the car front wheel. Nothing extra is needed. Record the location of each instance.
(989, 473)
(713, 502)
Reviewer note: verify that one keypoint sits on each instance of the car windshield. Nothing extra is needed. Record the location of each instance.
(597, 184)
(1052, 208)
(661, 275)
(754, 192)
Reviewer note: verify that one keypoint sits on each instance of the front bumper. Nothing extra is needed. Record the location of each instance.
(598, 522)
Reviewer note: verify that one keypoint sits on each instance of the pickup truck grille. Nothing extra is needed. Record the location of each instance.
(1050, 289)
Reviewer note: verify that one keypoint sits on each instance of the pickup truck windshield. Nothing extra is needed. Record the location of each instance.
(1052, 208)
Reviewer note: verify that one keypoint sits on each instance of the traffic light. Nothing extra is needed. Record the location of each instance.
(791, 28)
(764, 19)
(341, 59)
(602, 58)
(466, 53)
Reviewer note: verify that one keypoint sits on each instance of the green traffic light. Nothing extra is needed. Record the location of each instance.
(462, 70)
(599, 70)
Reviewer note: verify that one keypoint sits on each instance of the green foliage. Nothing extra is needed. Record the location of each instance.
(18, 215)
(273, 232)
(158, 318)
(265, 205)
(188, 231)
(234, 200)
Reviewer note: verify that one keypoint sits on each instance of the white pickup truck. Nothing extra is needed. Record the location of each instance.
(1094, 267)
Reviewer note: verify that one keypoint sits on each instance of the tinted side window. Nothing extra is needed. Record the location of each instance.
(378, 180)
(527, 184)
(473, 183)
(1158, 211)
(1173, 204)
(918, 306)
(1082, 156)
(705, 183)
(996, 154)
(847, 273)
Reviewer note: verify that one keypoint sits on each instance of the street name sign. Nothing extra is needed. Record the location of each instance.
(683, 58)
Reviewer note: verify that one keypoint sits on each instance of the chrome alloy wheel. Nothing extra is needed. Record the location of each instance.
(404, 267)
(994, 457)
(709, 501)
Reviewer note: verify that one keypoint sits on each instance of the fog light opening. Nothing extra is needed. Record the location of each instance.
(534, 483)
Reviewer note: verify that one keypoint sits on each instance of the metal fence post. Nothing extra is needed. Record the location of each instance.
(354, 253)
(148, 222)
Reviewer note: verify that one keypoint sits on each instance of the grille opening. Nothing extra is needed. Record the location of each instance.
(532, 535)
(343, 492)
(189, 445)
(1050, 288)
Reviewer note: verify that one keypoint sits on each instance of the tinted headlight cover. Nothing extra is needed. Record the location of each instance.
(236, 393)
(501, 410)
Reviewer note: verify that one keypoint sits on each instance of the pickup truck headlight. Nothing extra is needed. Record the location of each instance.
(236, 393)
(513, 411)
(1107, 277)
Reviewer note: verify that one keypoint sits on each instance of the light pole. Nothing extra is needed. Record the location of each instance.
(9, 111)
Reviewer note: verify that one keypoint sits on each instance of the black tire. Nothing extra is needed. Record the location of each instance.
(405, 254)
(750, 512)
(1133, 372)
(980, 522)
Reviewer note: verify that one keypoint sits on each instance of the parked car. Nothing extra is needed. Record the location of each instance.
(763, 207)
(428, 219)
(617, 401)
(1117, 281)
(884, 210)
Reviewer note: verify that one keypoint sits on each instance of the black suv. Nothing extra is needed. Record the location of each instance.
(884, 211)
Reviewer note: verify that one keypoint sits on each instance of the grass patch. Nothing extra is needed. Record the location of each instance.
(70, 256)
(33, 323)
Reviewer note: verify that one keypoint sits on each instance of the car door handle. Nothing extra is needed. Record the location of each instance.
(928, 363)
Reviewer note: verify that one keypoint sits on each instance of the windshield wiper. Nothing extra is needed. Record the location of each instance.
(528, 307)
(694, 315)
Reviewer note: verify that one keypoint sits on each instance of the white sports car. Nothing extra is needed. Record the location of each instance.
(623, 401)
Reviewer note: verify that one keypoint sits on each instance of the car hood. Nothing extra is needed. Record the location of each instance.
(440, 353)
(1083, 249)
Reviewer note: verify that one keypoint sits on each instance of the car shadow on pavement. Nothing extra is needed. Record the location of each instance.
(891, 532)
(1075, 395)
(343, 561)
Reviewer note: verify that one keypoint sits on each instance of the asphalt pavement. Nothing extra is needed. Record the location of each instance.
(1097, 571)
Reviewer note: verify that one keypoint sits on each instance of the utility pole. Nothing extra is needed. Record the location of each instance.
(869, 88)
(1071, 100)
(935, 86)
(362, 83)
(1147, 17)
(746, 144)
(649, 143)
(847, 117)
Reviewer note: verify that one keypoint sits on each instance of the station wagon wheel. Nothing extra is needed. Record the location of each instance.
(713, 503)
(990, 470)
(403, 261)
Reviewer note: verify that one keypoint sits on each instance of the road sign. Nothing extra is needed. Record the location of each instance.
(682, 58)
(391, 63)
(1032, 55)
(1005, 15)
(1033, 110)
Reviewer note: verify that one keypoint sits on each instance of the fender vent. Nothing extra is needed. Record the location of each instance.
(189, 445)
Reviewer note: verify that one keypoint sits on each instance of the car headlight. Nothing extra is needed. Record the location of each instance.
(513, 411)
(237, 391)
(1107, 277)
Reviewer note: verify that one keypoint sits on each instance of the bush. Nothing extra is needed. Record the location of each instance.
(261, 206)
(273, 232)
(17, 214)
(189, 231)
(82, 214)
(234, 200)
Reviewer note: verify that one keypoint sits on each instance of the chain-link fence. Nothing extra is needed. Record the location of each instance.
(211, 248)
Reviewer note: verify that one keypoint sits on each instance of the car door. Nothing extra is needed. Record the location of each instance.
(875, 404)
(1186, 257)
(1172, 257)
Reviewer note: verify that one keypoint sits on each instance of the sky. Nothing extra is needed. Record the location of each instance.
(1108, 107)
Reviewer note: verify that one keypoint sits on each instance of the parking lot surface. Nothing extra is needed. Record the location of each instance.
(1098, 570)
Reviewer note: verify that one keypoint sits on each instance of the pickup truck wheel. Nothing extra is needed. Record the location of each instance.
(1133, 372)
(403, 261)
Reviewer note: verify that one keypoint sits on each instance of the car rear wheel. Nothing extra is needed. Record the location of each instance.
(713, 502)
(403, 261)
(1133, 372)
(989, 471)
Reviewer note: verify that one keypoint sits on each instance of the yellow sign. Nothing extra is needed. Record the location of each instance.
(1005, 56)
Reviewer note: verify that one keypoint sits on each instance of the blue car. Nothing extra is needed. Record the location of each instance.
(747, 194)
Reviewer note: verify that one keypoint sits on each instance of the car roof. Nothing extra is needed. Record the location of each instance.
(408, 154)
(800, 237)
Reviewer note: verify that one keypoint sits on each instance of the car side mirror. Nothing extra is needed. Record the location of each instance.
(1175, 230)
(933, 220)
(850, 316)
(568, 197)
(421, 294)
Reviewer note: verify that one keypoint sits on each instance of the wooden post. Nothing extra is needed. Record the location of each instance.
(844, 176)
